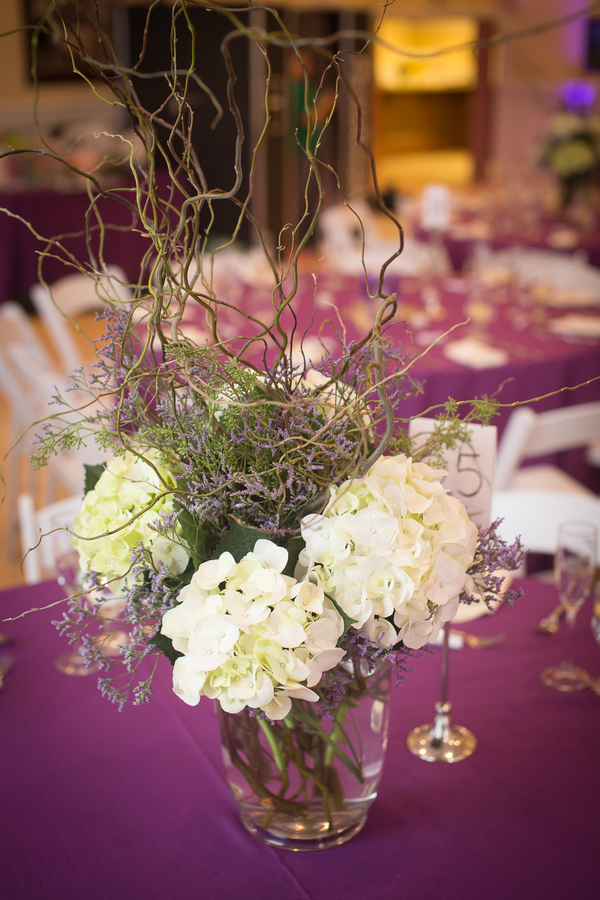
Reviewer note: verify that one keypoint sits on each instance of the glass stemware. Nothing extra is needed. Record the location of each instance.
(574, 563)
(595, 682)
(442, 741)
(71, 662)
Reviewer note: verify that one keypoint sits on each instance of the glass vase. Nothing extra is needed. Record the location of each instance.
(307, 781)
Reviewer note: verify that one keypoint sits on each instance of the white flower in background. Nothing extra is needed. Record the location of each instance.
(392, 550)
(250, 635)
(121, 512)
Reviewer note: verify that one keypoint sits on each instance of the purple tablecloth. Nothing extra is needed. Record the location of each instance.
(102, 805)
(53, 214)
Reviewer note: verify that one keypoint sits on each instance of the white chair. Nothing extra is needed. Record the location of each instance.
(44, 534)
(28, 380)
(536, 515)
(342, 245)
(27, 402)
(530, 434)
(71, 296)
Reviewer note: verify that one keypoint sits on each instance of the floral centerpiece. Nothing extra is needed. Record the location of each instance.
(571, 148)
(262, 514)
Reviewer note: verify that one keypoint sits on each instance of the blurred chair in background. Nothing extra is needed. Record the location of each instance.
(40, 554)
(535, 515)
(29, 380)
(72, 296)
(529, 435)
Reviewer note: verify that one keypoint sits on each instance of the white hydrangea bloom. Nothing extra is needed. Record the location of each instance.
(392, 549)
(250, 635)
(120, 513)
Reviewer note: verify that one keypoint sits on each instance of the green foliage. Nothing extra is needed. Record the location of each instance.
(348, 622)
(92, 476)
(294, 548)
(484, 409)
(239, 540)
(193, 534)
(165, 645)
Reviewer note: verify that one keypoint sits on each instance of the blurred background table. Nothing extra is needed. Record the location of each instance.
(544, 232)
(106, 805)
(520, 356)
(52, 214)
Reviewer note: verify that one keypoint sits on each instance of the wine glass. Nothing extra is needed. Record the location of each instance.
(68, 575)
(107, 608)
(595, 682)
(574, 563)
(441, 741)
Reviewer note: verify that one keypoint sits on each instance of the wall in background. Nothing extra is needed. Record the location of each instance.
(525, 74)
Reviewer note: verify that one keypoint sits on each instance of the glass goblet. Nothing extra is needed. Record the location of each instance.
(595, 682)
(107, 609)
(71, 662)
(574, 563)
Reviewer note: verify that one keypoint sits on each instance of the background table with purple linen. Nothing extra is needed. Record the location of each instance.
(537, 361)
(103, 805)
(540, 231)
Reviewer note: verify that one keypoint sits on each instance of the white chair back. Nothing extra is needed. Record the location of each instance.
(530, 434)
(536, 515)
(44, 534)
(29, 380)
(26, 400)
(71, 296)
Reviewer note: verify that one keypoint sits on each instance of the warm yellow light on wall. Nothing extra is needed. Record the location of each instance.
(448, 72)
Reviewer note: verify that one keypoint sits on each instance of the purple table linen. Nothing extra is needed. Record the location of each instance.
(63, 215)
(103, 805)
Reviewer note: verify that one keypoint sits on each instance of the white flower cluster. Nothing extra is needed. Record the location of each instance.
(119, 513)
(392, 550)
(250, 635)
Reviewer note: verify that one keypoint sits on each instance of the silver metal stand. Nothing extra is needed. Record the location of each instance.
(442, 742)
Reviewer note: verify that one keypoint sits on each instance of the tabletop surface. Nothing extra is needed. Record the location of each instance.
(103, 805)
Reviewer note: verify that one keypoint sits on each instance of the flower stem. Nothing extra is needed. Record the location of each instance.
(337, 731)
(272, 740)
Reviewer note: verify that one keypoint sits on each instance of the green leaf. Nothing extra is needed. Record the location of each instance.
(193, 534)
(294, 548)
(239, 540)
(165, 645)
(92, 475)
(347, 620)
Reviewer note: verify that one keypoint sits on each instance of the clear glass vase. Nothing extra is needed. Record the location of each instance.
(306, 782)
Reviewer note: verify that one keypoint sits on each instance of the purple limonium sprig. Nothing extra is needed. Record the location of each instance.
(361, 651)
(494, 555)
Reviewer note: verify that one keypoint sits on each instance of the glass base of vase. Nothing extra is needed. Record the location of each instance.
(300, 836)
(569, 678)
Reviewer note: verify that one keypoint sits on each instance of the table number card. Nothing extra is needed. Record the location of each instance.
(470, 467)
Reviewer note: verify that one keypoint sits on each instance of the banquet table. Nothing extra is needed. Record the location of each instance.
(62, 215)
(467, 230)
(536, 361)
(107, 805)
